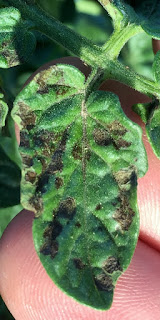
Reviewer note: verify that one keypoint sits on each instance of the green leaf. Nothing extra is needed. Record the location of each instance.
(6, 215)
(4, 312)
(81, 158)
(153, 130)
(144, 13)
(150, 115)
(3, 111)
(156, 67)
(143, 110)
(17, 42)
(10, 163)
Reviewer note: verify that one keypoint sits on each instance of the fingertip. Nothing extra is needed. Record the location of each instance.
(29, 293)
(155, 45)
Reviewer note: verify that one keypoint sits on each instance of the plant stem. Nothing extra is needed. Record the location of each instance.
(94, 81)
(117, 71)
(58, 32)
(115, 14)
(99, 58)
(118, 39)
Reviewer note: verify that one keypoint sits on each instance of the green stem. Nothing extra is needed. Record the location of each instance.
(117, 71)
(98, 58)
(57, 32)
(115, 14)
(94, 81)
(118, 39)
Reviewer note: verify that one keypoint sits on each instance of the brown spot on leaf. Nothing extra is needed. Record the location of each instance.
(42, 77)
(64, 140)
(52, 231)
(55, 165)
(24, 140)
(79, 264)
(30, 176)
(45, 249)
(104, 282)
(54, 249)
(56, 229)
(78, 225)
(116, 128)
(101, 137)
(67, 208)
(50, 249)
(58, 182)
(77, 152)
(27, 160)
(98, 207)
(12, 58)
(47, 232)
(27, 116)
(111, 264)
(37, 203)
(121, 143)
(62, 90)
(46, 140)
(4, 44)
(43, 90)
(125, 177)
(124, 215)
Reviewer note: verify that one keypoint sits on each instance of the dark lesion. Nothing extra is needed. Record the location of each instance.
(51, 246)
(28, 117)
(104, 282)
(27, 160)
(116, 128)
(59, 87)
(58, 182)
(50, 249)
(124, 214)
(112, 134)
(44, 138)
(36, 203)
(98, 207)
(24, 139)
(102, 137)
(126, 177)
(79, 263)
(43, 76)
(111, 265)
(55, 165)
(77, 151)
(30, 176)
(67, 208)
(121, 143)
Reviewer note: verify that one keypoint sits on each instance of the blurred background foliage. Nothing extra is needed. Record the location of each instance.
(89, 19)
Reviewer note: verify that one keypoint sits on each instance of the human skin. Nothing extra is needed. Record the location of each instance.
(28, 291)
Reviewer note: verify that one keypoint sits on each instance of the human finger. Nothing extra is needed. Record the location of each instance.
(30, 294)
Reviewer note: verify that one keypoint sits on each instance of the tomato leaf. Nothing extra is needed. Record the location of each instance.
(144, 13)
(3, 111)
(156, 67)
(15, 35)
(81, 158)
(10, 174)
(153, 130)
(150, 115)
(10, 162)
